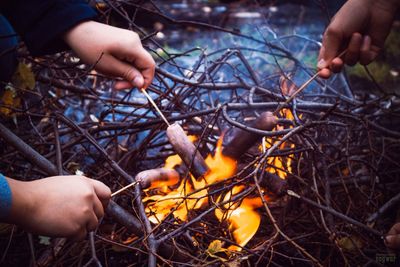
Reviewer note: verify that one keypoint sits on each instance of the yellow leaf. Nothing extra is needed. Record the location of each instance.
(350, 243)
(215, 247)
(9, 98)
(24, 78)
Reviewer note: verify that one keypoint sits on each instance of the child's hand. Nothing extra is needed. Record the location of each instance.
(361, 27)
(62, 206)
(113, 51)
(392, 239)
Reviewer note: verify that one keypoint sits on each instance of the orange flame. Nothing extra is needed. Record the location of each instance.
(190, 194)
(243, 218)
(280, 166)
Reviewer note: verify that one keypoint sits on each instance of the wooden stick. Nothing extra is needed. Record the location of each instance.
(124, 188)
(155, 106)
(280, 106)
(145, 179)
(301, 88)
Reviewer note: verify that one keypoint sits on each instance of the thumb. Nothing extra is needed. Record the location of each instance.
(115, 67)
(330, 47)
(102, 191)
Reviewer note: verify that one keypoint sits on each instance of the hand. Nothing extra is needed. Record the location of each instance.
(361, 27)
(113, 51)
(392, 239)
(62, 206)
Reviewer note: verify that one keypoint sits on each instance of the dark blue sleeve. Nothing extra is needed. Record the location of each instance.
(41, 23)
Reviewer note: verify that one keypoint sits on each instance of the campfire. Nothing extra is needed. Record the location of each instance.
(256, 162)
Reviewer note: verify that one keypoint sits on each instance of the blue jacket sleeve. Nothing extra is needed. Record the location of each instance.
(41, 23)
(5, 198)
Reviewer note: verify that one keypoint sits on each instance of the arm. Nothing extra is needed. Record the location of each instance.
(67, 206)
(49, 26)
(41, 23)
(361, 27)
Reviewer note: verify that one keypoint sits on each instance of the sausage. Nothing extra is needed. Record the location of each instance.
(157, 177)
(187, 151)
(242, 140)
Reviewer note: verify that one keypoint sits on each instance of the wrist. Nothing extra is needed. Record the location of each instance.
(73, 35)
(22, 204)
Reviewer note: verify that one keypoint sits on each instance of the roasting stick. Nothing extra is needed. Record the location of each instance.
(124, 188)
(164, 119)
(301, 88)
(155, 106)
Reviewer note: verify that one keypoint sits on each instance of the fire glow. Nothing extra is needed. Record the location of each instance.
(280, 166)
(190, 194)
(181, 197)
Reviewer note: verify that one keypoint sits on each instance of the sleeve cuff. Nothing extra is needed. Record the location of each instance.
(5, 198)
(51, 28)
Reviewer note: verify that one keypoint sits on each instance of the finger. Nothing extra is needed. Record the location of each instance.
(80, 236)
(141, 60)
(393, 241)
(98, 208)
(121, 85)
(92, 222)
(337, 65)
(353, 49)
(325, 73)
(102, 191)
(332, 41)
(395, 230)
(146, 64)
(115, 67)
(365, 51)
(321, 53)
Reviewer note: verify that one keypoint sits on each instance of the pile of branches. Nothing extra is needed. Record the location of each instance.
(340, 194)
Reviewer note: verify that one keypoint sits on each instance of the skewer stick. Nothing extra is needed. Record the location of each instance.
(155, 106)
(124, 188)
(301, 88)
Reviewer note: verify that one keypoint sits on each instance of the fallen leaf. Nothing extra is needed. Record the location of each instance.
(10, 99)
(215, 247)
(24, 78)
(350, 243)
